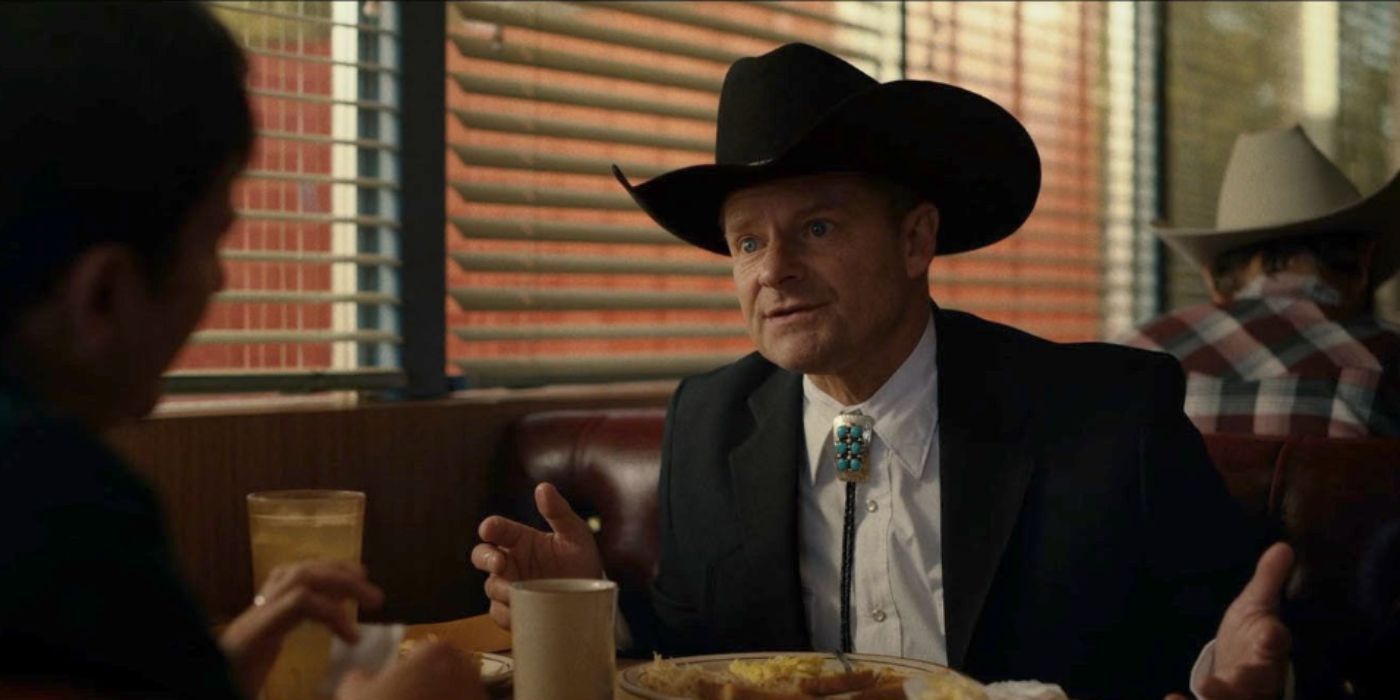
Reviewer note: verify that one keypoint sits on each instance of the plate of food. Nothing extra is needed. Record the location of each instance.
(791, 676)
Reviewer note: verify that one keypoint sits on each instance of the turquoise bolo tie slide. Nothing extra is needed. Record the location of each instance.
(852, 434)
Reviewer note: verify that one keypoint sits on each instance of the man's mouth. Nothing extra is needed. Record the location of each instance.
(789, 311)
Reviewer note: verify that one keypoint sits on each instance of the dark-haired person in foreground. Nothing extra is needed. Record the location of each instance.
(1290, 344)
(1024, 510)
(122, 129)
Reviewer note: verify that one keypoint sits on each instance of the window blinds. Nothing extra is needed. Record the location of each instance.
(312, 261)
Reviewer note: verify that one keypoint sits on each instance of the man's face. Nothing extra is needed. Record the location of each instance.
(823, 269)
(164, 317)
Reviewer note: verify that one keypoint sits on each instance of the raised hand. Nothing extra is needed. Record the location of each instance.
(511, 551)
(295, 593)
(1252, 645)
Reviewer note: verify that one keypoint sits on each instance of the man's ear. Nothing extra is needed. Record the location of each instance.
(1368, 255)
(1215, 296)
(919, 230)
(98, 294)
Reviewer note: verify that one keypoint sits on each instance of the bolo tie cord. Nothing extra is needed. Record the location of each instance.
(848, 546)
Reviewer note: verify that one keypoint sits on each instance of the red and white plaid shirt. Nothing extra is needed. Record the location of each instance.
(1271, 362)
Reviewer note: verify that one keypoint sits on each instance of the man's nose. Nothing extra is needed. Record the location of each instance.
(781, 264)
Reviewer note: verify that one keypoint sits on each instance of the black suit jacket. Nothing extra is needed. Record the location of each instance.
(1087, 540)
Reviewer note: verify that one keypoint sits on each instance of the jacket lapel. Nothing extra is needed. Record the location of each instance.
(985, 466)
(763, 473)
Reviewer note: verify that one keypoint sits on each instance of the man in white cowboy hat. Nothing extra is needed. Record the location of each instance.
(886, 476)
(1289, 344)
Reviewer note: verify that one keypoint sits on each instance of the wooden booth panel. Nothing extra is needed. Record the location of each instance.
(427, 470)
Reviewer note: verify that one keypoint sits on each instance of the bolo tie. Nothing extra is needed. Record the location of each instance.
(852, 435)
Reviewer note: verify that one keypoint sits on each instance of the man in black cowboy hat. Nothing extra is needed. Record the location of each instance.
(886, 476)
(1290, 344)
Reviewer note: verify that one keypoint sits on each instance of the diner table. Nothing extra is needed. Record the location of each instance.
(480, 633)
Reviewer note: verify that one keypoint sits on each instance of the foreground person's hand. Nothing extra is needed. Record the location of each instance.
(1252, 645)
(433, 671)
(307, 591)
(511, 551)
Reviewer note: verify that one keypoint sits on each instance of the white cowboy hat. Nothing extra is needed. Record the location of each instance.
(1279, 185)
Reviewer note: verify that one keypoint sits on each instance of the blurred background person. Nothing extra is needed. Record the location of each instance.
(124, 127)
(1290, 343)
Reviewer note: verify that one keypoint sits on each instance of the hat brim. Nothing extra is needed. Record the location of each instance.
(1375, 214)
(962, 152)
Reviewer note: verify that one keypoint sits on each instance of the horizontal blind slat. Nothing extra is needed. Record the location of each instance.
(321, 99)
(312, 178)
(517, 229)
(999, 306)
(522, 124)
(549, 161)
(313, 217)
(586, 368)
(528, 299)
(493, 193)
(300, 381)
(324, 139)
(308, 58)
(487, 49)
(291, 297)
(303, 258)
(673, 12)
(581, 264)
(597, 331)
(219, 336)
(549, 92)
(547, 17)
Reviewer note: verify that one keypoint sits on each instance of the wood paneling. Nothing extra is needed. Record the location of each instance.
(427, 469)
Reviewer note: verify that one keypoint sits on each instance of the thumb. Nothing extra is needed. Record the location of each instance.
(1264, 589)
(561, 517)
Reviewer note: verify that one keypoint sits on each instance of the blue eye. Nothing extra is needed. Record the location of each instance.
(748, 245)
(819, 227)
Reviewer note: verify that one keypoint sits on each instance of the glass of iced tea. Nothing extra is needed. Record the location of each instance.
(292, 526)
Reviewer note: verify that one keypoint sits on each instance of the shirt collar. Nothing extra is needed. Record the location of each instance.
(905, 409)
(1290, 284)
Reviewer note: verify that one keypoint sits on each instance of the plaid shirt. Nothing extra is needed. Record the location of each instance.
(1270, 362)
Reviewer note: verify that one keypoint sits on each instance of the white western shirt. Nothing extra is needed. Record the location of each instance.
(897, 589)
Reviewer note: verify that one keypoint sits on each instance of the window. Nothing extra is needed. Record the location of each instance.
(1240, 66)
(553, 275)
(312, 262)
(556, 276)
(1076, 270)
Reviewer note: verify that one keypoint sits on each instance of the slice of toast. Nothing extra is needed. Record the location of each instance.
(710, 690)
(834, 683)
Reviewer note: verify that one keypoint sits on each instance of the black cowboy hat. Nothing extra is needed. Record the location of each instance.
(800, 110)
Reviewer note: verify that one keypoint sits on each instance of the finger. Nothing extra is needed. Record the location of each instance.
(498, 589)
(504, 532)
(489, 559)
(561, 517)
(286, 611)
(342, 580)
(282, 572)
(500, 614)
(1264, 589)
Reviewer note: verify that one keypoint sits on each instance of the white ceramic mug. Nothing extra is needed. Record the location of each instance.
(562, 639)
